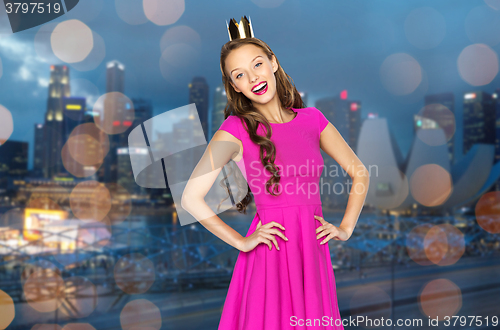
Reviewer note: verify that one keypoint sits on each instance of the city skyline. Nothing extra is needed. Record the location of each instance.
(343, 95)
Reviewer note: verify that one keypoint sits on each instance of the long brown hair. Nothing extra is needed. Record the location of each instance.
(239, 105)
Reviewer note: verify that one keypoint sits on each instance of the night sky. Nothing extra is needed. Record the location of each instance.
(325, 46)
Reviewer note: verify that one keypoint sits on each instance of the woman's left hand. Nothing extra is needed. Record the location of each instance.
(337, 233)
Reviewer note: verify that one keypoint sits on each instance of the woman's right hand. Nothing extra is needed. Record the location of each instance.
(263, 234)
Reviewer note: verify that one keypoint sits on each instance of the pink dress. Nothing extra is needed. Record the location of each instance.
(294, 287)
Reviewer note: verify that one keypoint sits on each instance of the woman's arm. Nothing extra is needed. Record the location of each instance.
(219, 151)
(335, 146)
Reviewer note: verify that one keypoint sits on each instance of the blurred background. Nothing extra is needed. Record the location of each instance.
(411, 86)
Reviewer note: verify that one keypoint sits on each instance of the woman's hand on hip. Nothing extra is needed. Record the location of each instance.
(263, 234)
(330, 231)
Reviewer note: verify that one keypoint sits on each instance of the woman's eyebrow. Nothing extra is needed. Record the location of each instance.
(250, 62)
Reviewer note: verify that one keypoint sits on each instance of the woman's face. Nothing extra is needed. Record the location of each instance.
(252, 73)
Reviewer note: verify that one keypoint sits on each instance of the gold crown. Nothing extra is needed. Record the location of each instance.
(241, 30)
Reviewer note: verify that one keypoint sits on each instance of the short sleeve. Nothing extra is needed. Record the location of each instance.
(231, 125)
(323, 122)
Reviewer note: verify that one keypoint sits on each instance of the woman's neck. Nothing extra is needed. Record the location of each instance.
(274, 112)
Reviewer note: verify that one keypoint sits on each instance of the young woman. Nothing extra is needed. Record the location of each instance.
(283, 277)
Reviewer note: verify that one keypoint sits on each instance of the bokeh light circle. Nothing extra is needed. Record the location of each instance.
(7, 310)
(444, 244)
(140, 313)
(114, 113)
(134, 273)
(431, 185)
(180, 46)
(488, 212)
(440, 298)
(90, 200)
(87, 144)
(400, 74)
(6, 124)
(72, 41)
(180, 34)
(482, 24)
(478, 64)
(433, 116)
(425, 27)
(163, 12)
(131, 11)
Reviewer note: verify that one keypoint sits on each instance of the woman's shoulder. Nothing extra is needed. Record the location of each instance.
(316, 116)
(232, 125)
(233, 121)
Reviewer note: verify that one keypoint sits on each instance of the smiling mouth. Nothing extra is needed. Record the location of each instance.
(261, 90)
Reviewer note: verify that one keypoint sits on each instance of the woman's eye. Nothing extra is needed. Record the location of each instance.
(255, 65)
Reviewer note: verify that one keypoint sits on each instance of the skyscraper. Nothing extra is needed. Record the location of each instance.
(115, 77)
(479, 119)
(13, 162)
(198, 94)
(119, 107)
(496, 105)
(125, 177)
(74, 114)
(496, 102)
(53, 129)
(124, 114)
(38, 154)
